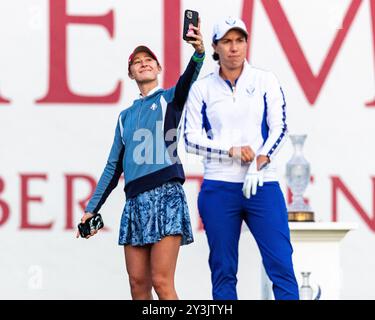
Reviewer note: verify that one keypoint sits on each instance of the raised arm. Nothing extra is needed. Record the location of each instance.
(192, 70)
(187, 79)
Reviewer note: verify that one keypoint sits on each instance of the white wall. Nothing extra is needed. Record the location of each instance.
(60, 139)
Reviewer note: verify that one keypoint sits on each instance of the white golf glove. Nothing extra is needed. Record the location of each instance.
(253, 179)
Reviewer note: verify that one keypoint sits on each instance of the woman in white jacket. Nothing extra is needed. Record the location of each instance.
(235, 118)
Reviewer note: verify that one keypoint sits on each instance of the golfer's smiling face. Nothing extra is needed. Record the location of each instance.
(144, 68)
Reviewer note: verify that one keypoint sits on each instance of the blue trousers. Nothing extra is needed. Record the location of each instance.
(222, 208)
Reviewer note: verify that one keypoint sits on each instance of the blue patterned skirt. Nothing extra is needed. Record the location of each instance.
(154, 214)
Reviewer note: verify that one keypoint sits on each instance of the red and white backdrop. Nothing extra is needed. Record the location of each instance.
(63, 81)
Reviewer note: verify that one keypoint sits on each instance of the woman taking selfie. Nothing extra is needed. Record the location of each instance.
(155, 221)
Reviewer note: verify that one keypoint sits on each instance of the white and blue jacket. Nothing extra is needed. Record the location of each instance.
(219, 116)
(145, 142)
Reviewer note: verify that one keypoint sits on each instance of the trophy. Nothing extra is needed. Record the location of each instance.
(306, 292)
(298, 177)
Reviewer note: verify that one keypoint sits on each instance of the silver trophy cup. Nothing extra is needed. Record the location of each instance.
(298, 178)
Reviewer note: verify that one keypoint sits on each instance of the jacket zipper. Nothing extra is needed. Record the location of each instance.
(234, 93)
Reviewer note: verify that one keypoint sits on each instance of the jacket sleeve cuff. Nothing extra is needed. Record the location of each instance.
(198, 57)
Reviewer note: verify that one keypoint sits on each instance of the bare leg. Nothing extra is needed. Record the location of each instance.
(163, 266)
(138, 266)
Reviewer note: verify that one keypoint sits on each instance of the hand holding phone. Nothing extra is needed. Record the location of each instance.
(92, 224)
(190, 18)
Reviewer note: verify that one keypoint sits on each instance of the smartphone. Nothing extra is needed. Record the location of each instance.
(93, 223)
(190, 17)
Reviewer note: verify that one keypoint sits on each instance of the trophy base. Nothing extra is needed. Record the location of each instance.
(301, 216)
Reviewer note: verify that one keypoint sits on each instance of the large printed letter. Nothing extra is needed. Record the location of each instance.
(26, 199)
(337, 185)
(311, 84)
(59, 91)
(172, 42)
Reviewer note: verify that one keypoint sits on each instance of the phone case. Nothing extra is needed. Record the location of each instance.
(190, 16)
(94, 223)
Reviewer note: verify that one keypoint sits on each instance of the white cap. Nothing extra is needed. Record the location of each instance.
(223, 25)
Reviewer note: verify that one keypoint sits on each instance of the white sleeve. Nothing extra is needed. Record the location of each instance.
(276, 117)
(197, 140)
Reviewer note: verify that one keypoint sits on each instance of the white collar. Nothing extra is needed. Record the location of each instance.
(150, 92)
(246, 67)
(245, 70)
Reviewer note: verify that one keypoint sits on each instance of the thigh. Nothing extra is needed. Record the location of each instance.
(219, 205)
(138, 261)
(267, 218)
(164, 256)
